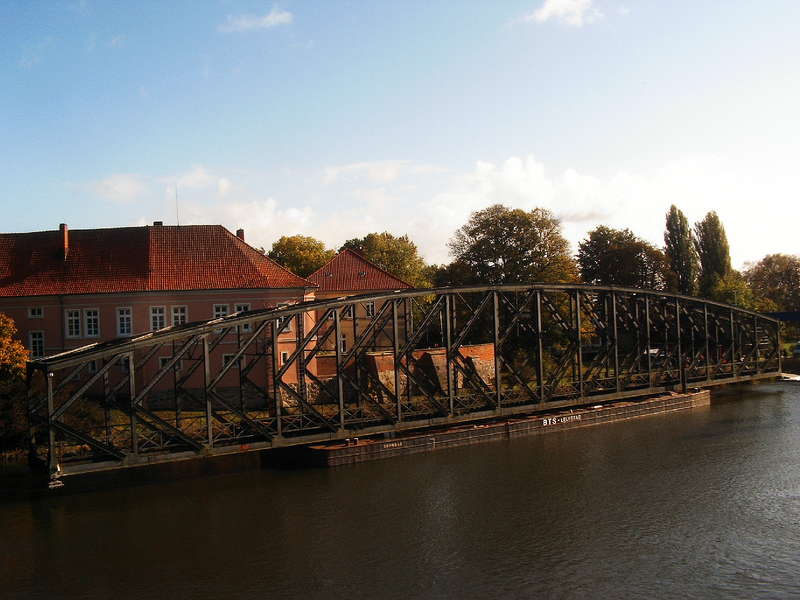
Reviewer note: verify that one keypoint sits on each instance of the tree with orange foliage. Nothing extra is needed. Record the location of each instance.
(12, 386)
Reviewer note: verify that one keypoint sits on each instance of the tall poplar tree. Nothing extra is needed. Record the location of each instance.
(713, 251)
(680, 251)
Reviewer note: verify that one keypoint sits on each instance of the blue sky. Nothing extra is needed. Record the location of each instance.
(335, 119)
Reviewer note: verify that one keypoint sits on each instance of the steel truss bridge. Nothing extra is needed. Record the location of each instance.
(409, 359)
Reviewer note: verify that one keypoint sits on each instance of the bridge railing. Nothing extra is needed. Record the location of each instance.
(331, 369)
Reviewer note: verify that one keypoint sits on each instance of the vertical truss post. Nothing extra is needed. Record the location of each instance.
(276, 388)
(679, 336)
(408, 316)
(206, 392)
(301, 360)
(780, 349)
(106, 411)
(496, 349)
(239, 373)
(616, 340)
(733, 346)
(357, 373)
(707, 336)
(395, 352)
(448, 332)
(338, 349)
(539, 347)
(756, 353)
(580, 341)
(176, 396)
(647, 341)
(52, 458)
(132, 391)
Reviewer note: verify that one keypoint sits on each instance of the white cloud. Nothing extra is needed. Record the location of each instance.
(379, 171)
(575, 13)
(239, 23)
(120, 187)
(429, 209)
(223, 186)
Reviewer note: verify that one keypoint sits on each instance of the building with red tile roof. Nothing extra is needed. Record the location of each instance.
(66, 289)
(347, 274)
(351, 273)
(135, 259)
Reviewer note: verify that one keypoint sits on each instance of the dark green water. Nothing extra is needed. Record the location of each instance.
(699, 504)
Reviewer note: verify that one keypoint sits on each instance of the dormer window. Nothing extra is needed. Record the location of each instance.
(362, 274)
(35, 312)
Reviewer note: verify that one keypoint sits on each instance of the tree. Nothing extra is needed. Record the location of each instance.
(499, 245)
(680, 251)
(734, 289)
(397, 255)
(617, 257)
(300, 254)
(12, 389)
(711, 245)
(777, 277)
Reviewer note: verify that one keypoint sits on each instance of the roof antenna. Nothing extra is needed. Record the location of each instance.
(177, 212)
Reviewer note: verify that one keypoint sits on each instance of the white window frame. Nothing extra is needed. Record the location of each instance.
(154, 314)
(86, 317)
(347, 312)
(282, 319)
(185, 314)
(284, 357)
(92, 367)
(227, 358)
(243, 307)
(369, 309)
(342, 343)
(33, 315)
(216, 313)
(289, 319)
(129, 316)
(31, 345)
(72, 316)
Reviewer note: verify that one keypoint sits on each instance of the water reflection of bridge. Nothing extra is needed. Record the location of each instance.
(410, 359)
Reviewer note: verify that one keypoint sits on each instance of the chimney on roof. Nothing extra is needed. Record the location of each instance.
(240, 234)
(64, 240)
(158, 223)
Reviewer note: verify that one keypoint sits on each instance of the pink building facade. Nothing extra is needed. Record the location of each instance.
(66, 289)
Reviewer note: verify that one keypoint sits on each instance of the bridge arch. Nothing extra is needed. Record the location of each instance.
(377, 363)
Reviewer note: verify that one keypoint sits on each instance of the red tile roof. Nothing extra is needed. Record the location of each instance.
(348, 271)
(134, 259)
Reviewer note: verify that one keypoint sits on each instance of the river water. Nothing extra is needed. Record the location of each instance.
(696, 504)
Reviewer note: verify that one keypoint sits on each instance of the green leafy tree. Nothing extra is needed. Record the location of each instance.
(611, 256)
(777, 278)
(13, 356)
(733, 288)
(397, 255)
(712, 248)
(680, 251)
(300, 254)
(499, 245)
